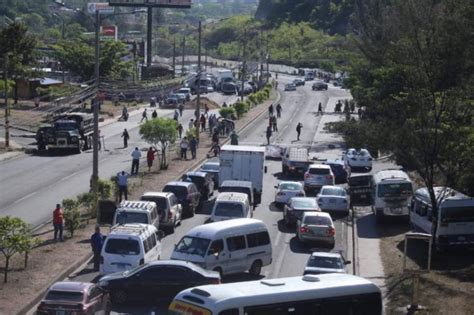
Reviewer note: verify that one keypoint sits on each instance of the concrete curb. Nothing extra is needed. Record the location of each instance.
(25, 309)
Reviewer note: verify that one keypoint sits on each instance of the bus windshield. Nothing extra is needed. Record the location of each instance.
(458, 214)
(193, 245)
(394, 190)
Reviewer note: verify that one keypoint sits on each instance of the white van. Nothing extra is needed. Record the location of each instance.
(228, 247)
(144, 212)
(128, 246)
(230, 205)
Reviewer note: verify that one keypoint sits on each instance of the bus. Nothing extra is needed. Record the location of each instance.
(392, 191)
(452, 225)
(308, 294)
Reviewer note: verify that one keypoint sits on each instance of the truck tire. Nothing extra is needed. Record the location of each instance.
(256, 268)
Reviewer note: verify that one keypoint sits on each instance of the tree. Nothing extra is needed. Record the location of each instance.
(72, 215)
(15, 237)
(162, 132)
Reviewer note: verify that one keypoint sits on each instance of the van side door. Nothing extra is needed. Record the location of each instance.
(238, 260)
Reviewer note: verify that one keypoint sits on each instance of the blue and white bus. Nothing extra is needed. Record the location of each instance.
(452, 226)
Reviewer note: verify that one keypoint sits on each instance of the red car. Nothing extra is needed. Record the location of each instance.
(74, 298)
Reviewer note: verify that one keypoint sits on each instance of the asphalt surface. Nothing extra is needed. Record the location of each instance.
(289, 255)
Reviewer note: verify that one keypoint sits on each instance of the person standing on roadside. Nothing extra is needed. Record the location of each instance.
(150, 157)
(136, 155)
(298, 129)
(180, 130)
(58, 222)
(181, 108)
(184, 144)
(122, 182)
(154, 114)
(193, 147)
(269, 133)
(97, 241)
(203, 123)
(125, 137)
(278, 109)
(270, 110)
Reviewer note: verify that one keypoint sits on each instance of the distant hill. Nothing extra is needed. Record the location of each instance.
(331, 16)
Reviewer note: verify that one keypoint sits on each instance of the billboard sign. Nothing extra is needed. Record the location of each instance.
(109, 32)
(152, 3)
(102, 7)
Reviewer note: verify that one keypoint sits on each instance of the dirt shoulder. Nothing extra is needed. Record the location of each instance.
(52, 261)
(447, 289)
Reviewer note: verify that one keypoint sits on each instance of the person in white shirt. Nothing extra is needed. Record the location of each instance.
(136, 155)
(122, 181)
(184, 144)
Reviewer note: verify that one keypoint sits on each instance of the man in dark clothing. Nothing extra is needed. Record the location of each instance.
(298, 129)
(269, 134)
(154, 114)
(320, 109)
(97, 241)
(278, 109)
(125, 137)
(270, 110)
(193, 146)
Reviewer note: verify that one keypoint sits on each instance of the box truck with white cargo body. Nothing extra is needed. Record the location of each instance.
(244, 163)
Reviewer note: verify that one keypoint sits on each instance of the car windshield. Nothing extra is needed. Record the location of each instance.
(333, 191)
(303, 203)
(229, 209)
(122, 247)
(159, 201)
(290, 186)
(56, 295)
(325, 262)
(124, 217)
(317, 220)
(65, 125)
(193, 245)
(210, 167)
(319, 171)
(179, 191)
(459, 214)
(394, 190)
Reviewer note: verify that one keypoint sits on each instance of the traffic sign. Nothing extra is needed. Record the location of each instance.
(102, 7)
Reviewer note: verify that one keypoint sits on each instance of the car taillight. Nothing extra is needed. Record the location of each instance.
(101, 260)
(142, 261)
(331, 231)
(304, 229)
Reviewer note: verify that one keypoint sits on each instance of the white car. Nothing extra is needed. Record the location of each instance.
(324, 262)
(287, 190)
(358, 158)
(317, 176)
(290, 87)
(333, 198)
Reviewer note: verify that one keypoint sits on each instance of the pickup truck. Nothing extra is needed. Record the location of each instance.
(295, 160)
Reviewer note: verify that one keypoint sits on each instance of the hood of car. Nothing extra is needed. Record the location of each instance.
(320, 270)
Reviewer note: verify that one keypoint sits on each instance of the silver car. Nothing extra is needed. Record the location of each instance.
(324, 262)
(317, 176)
(333, 198)
(287, 190)
(316, 227)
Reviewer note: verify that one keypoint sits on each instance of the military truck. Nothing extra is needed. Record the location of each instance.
(68, 132)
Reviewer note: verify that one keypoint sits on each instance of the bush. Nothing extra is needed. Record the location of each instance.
(240, 108)
(192, 133)
(248, 105)
(253, 98)
(87, 200)
(72, 218)
(104, 189)
(227, 112)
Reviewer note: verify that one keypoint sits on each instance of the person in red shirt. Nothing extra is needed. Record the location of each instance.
(150, 157)
(58, 222)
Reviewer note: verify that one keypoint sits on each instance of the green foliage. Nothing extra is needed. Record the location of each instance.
(69, 204)
(104, 188)
(160, 131)
(192, 132)
(227, 112)
(253, 98)
(72, 219)
(15, 238)
(88, 201)
(240, 108)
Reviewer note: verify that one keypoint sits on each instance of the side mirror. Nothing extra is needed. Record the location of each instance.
(265, 169)
(347, 262)
(276, 186)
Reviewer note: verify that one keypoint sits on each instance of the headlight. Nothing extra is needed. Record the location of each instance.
(103, 283)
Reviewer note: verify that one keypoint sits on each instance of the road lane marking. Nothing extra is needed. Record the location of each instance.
(67, 177)
(25, 197)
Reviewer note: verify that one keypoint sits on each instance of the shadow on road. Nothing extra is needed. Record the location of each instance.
(366, 224)
(283, 228)
(296, 246)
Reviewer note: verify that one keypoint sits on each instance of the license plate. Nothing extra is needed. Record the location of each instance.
(397, 210)
(60, 312)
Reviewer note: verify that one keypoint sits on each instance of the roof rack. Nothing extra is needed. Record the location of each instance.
(130, 228)
(138, 204)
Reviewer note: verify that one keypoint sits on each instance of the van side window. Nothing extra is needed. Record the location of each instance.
(422, 209)
(153, 240)
(216, 247)
(258, 239)
(233, 311)
(146, 246)
(236, 243)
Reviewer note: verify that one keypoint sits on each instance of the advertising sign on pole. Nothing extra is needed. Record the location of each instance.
(152, 3)
(109, 32)
(102, 7)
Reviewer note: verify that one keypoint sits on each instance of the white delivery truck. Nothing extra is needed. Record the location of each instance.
(244, 163)
(224, 75)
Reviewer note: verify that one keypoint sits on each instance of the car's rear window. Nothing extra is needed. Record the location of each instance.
(243, 190)
(160, 201)
(124, 217)
(333, 191)
(317, 220)
(319, 171)
(122, 247)
(325, 262)
(54, 295)
(290, 186)
(179, 191)
(228, 209)
(303, 204)
(199, 181)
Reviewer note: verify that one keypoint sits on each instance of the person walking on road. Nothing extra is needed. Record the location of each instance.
(97, 241)
(270, 110)
(184, 144)
(154, 114)
(150, 157)
(180, 130)
(234, 138)
(144, 115)
(203, 123)
(136, 155)
(269, 133)
(278, 110)
(193, 147)
(298, 130)
(122, 182)
(274, 123)
(58, 222)
(181, 109)
(320, 109)
(125, 137)
(215, 148)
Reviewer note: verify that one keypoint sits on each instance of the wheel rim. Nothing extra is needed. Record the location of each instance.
(256, 268)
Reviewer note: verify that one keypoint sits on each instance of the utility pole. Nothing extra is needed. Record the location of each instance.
(182, 55)
(205, 60)
(62, 37)
(7, 112)
(174, 56)
(95, 109)
(260, 78)
(198, 97)
(149, 36)
(243, 66)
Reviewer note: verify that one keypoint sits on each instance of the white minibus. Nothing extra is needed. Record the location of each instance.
(392, 191)
(309, 295)
(144, 212)
(452, 226)
(128, 246)
(230, 205)
(228, 247)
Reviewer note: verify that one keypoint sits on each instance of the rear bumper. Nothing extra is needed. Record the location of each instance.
(314, 238)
